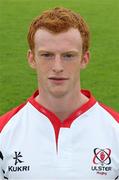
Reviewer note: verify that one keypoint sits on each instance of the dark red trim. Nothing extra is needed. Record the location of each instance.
(113, 113)
(6, 117)
(67, 122)
(57, 124)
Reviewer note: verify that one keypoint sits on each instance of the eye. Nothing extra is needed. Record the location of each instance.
(69, 56)
(46, 55)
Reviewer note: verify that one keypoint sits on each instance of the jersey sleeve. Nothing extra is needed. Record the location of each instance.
(4, 119)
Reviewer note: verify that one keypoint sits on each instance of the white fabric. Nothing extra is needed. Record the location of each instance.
(28, 139)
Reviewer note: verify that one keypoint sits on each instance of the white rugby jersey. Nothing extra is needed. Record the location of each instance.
(35, 144)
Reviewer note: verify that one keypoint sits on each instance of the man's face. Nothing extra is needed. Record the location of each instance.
(58, 60)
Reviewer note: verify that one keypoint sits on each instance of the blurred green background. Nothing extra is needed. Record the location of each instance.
(18, 81)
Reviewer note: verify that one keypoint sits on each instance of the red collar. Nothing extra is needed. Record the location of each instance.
(55, 121)
(68, 121)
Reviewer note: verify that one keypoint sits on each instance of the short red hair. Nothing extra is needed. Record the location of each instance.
(59, 20)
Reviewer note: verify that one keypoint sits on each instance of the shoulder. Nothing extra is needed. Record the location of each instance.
(4, 119)
(110, 111)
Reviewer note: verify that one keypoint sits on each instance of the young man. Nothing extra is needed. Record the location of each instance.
(61, 132)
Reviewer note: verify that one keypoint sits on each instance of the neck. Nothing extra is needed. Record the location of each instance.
(64, 106)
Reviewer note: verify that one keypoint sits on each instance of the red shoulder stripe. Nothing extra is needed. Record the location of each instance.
(6, 117)
(114, 114)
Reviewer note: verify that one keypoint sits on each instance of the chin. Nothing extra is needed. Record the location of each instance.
(58, 94)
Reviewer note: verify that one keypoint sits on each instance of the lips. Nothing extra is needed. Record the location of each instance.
(58, 80)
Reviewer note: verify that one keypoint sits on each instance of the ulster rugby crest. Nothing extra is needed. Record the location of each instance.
(101, 161)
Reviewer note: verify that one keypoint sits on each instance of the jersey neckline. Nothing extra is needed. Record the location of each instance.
(68, 121)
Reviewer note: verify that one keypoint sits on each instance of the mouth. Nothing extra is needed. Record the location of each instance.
(58, 80)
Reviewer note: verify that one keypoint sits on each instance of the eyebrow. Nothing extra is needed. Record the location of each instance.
(46, 51)
(73, 52)
(42, 51)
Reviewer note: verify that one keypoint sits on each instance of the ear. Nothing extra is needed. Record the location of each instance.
(85, 60)
(31, 59)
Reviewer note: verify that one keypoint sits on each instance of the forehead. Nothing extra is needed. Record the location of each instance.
(48, 40)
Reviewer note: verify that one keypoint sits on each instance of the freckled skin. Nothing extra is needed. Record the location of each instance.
(58, 60)
(59, 66)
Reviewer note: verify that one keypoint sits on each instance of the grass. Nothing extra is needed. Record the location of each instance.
(18, 81)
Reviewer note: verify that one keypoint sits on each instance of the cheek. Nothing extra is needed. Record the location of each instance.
(42, 70)
(41, 66)
(74, 69)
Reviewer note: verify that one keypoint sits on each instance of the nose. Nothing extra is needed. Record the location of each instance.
(57, 65)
